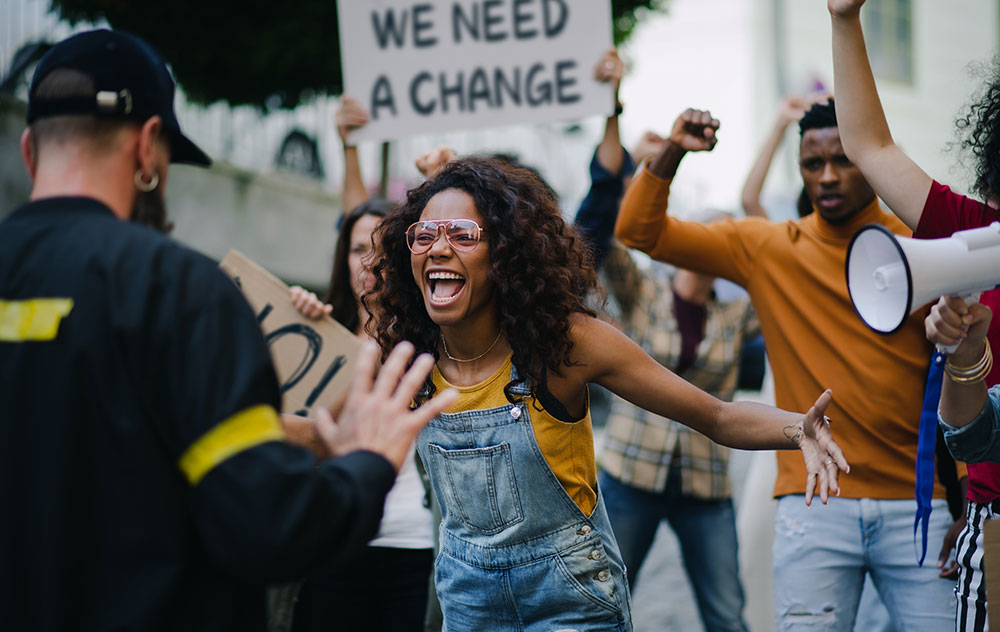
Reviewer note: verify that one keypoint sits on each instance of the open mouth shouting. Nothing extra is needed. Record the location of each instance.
(444, 286)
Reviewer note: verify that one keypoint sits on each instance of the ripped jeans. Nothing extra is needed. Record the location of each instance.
(821, 554)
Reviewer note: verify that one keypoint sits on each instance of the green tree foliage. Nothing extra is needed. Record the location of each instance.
(626, 14)
(254, 52)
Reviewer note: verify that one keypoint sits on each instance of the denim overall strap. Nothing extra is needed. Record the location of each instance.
(926, 442)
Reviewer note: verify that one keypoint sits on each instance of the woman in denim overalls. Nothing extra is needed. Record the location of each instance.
(479, 269)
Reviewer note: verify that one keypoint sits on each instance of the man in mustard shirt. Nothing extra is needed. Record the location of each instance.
(794, 273)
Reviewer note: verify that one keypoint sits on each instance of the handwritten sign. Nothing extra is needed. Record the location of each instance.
(439, 65)
(313, 358)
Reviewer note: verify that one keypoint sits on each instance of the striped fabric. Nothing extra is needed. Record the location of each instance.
(639, 447)
(971, 588)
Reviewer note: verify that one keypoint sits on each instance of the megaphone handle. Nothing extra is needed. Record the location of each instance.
(969, 300)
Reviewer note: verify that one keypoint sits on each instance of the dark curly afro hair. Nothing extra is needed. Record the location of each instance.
(980, 128)
(541, 269)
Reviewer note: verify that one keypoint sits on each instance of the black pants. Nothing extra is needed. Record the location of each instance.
(383, 589)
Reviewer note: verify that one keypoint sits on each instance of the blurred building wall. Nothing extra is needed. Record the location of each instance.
(284, 224)
(946, 37)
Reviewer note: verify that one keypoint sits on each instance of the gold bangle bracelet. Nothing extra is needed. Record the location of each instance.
(972, 371)
(973, 367)
(976, 377)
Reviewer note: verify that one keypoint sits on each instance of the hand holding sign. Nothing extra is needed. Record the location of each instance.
(610, 69)
(351, 115)
(308, 303)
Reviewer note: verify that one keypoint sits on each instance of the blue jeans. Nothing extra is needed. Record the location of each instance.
(822, 553)
(706, 531)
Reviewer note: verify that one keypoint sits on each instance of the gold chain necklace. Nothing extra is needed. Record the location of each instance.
(454, 359)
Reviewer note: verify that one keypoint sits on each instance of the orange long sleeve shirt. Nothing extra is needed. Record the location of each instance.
(794, 273)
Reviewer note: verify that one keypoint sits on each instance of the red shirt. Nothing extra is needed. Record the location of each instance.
(946, 212)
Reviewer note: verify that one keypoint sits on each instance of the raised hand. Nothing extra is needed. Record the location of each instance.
(430, 163)
(350, 116)
(823, 457)
(694, 130)
(844, 8)
(308, 303)
(648, 145)
(377, 415)
(793, 107)
(951, 321)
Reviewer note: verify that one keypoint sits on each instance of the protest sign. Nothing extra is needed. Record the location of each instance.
(314, 358)
(440, 65)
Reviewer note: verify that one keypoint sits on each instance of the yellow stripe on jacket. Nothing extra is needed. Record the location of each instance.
(33, 319)
(242, 431)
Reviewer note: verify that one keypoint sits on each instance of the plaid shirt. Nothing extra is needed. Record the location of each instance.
(640, 447)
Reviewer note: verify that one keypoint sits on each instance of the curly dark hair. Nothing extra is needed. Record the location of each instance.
(980, 126)
(541, 268)
(339, 292)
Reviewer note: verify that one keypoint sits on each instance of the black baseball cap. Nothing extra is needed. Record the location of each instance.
(131, 82)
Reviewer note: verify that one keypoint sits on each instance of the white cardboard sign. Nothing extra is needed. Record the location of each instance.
(440, 65)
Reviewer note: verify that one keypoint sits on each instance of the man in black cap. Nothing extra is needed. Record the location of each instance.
(144, 480)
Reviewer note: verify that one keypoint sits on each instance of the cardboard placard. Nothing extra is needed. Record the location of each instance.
(991, 541)
(440, 65)
(314, 358)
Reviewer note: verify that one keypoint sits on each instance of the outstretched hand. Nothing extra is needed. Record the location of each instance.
(377, 414)
(694, 130)
(823, 457)
(844, 8)
(350, 116)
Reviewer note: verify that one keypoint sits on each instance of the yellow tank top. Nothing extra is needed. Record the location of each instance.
(568, 448)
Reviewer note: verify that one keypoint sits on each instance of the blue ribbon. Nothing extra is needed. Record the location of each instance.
(926, 443)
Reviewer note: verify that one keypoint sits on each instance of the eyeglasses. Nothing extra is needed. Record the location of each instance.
(462, 234)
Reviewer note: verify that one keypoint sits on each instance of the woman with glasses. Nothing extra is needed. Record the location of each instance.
(478, 268)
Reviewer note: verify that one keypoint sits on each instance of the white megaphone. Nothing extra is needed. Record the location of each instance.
(889, 276)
